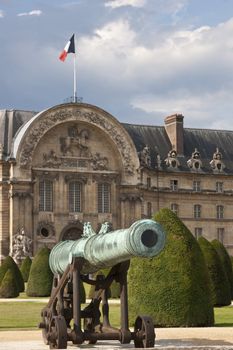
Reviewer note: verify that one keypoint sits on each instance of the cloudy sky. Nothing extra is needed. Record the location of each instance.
(140, 60)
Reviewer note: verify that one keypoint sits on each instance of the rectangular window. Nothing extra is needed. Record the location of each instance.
(149, 210)
(220, 234)
(75, 194)
(220, 212)
(198, 232)
(197, 211)
(104, 198)
(174, 185)
(197, 186)
(148, 182)
(46, 195)
(175, 208)
(219, 186)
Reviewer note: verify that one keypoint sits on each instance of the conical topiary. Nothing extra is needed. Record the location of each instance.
(9, 288)
(226, 261)
(40, 277)
(174, 287)
(25, 268)
(220, 286)
(7, 264)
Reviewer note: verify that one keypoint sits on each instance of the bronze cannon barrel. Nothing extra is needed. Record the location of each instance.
(144, 238)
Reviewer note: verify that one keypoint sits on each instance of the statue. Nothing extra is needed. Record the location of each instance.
(21, 246)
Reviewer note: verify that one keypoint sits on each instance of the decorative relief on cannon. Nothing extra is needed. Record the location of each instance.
(171, 161)
(21, 246)
(195, 162)
(144, 157)
(216, 163)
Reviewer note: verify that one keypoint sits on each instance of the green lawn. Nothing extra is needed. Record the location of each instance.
(26, 315)
(224, 316)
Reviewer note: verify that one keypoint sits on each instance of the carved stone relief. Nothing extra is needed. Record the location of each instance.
(76, 139)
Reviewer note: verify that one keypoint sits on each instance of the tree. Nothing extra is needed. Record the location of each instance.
(226, 261)
(40, 277)
(7, 264)
(220, 286)
(9, 288)
(25, 268)
(174, 287)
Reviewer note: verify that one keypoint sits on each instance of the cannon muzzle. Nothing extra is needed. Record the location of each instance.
(144, 238)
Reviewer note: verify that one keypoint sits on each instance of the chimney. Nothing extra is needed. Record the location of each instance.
(174, 129)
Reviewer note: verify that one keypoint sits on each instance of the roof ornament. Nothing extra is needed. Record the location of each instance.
(171, 161)
(195, 162)
(216, 163)
(144, 157)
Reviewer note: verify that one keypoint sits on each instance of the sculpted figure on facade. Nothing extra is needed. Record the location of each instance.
(51, 160)
(99, 162)
(144, 157)
(21, 246)
(75, 144)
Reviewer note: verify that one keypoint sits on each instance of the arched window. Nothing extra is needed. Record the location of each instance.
(197, 211)
(46, 195)
(104, 194)
(75, 197)
(219, 211)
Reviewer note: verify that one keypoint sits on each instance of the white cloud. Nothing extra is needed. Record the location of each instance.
(190, 72)
(119, 3)
(2, 14)
(31, 13)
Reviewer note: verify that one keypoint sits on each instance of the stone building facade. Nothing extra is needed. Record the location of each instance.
(76, 163)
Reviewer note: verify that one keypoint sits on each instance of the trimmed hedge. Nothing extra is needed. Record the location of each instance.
(7, 264)
(9, 288)
(219, 282)
(41, 277)
(25, 268)
(174, 287)
(226, 261)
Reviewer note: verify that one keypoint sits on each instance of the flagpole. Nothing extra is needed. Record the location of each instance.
(75, 83)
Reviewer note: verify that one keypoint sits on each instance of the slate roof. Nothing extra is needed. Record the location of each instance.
(155, 137)
(205, 140)
(10, 123)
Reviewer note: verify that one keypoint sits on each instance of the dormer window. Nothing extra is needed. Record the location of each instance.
(195, 162)
(171, 160)
(216, 163)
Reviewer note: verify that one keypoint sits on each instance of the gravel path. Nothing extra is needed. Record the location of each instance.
(166, 338)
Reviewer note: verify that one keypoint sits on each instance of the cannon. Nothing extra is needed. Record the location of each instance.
(74, 262)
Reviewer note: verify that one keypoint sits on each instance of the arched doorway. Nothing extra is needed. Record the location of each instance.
(72, 232)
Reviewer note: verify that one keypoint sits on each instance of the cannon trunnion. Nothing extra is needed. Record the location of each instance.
(63, 319)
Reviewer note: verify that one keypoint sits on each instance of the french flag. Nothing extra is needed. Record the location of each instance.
(69, 48)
